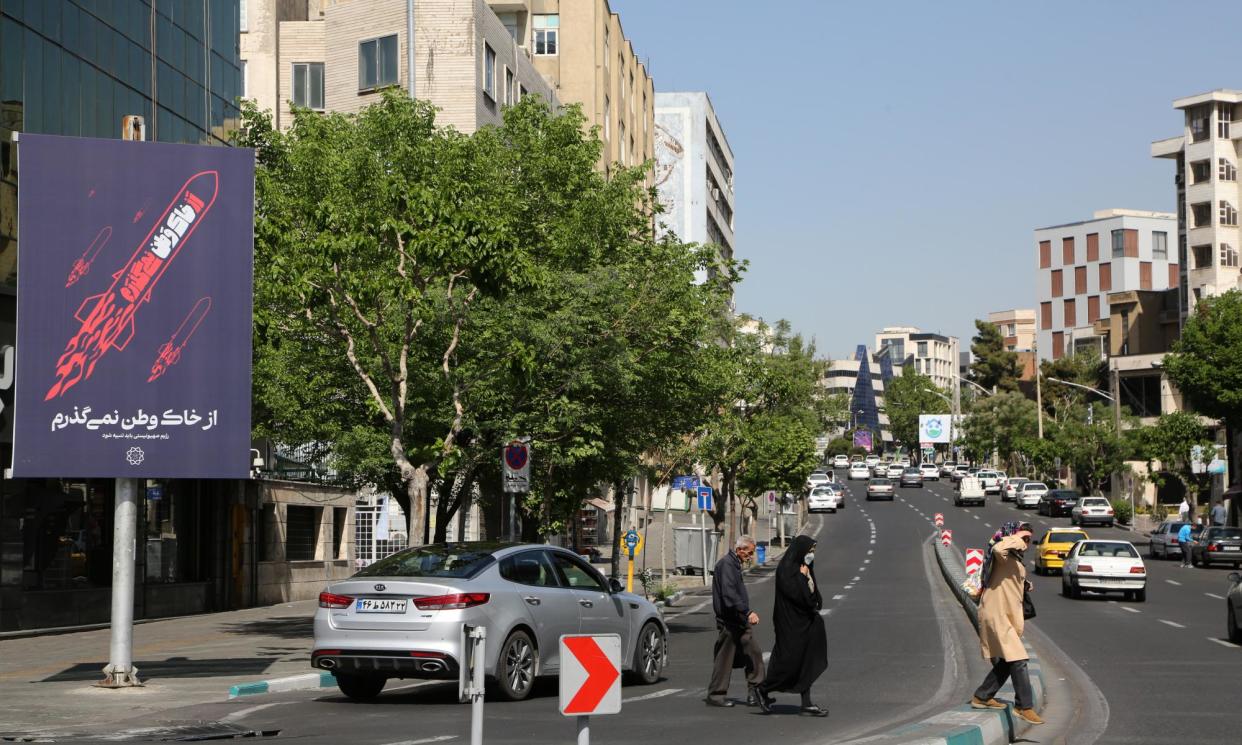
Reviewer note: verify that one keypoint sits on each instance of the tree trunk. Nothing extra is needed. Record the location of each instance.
(618, 508)
(448, 505)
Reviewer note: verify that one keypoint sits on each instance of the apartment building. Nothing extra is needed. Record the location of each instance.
(1017, 326)
(580, 47)
(1080, 263)
(694, 171)
(1206, 182)
(339, 55)
(933, 355)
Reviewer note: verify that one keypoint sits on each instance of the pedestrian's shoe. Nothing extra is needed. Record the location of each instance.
(1028, 715)
(723, 703)
(762, 700)
(813, 711)
(978, 703)
(754, 694)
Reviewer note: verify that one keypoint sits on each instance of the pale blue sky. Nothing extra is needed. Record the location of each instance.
(893, 158)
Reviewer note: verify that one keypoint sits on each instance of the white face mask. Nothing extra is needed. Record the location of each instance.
(810, 557)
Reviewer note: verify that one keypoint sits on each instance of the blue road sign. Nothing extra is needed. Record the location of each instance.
(705, 498)
(685, 482)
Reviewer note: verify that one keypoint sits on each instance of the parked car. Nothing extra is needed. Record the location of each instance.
(401, 617)
(911, 477)
(970, 491)
(1012, 487)
(929, 471)
(824, 499)
(1233, 608)
(840, 461)
(1217, 545)
(946, 469)
(990, 480)
(959, 471)
(1164, 543)
(1089, 510)
(817, 478)
(1058, 502)
(879, 488)
(1104, 566)
(1030, 495)
(859, 470)
(1054, 546)
(871, 460)
(894, 471)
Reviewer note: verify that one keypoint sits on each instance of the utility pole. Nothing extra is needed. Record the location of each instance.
(1116, 391)
(1039, 391)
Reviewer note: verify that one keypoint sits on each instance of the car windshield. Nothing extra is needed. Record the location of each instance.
(1036, 486)
(911, 471)
(1226, 533)
(880, 482)
(1064, 537)
(458, 561)
(1108, 550)
(1070, 495)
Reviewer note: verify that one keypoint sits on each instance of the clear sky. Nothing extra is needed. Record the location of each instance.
(893, 158)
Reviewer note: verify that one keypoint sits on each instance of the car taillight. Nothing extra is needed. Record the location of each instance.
(1213, 547)
(456, 601)
(331, 600)
(321, 652)
(1138, 570)
(427, 655)
(1085, 568)
(1109, 511)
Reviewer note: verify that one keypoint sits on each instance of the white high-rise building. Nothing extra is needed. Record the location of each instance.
(933, 355)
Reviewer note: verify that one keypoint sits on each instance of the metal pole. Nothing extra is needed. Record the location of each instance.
(1116, 391)
(584, 730)
(1039, 391)
(120, 671)
(476, 685)
(702, 537)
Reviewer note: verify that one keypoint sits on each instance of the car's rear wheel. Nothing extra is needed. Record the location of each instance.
(360, 687)
(649, 654)
(515, 670)
(1065, 588)
(1235, 633)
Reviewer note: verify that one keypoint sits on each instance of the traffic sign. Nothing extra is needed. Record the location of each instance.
(771, 498)
(705, 498)
(974, 561)
(685, 483)
(939, 520)
(632, 543)
(590, 674)
(946, 537)
(516, 457)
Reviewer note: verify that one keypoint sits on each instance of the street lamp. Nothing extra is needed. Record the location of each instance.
(1096, 391)
(982, 390)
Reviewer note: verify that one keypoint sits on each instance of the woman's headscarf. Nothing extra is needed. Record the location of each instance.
(1006, 530)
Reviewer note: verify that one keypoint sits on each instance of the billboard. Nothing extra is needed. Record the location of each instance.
(133, 309)
(862, 439)
(935, 428)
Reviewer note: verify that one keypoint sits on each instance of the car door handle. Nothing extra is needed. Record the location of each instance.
(586, 603)
(531, 600)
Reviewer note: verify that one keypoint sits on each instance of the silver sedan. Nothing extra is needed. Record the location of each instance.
(402, 617)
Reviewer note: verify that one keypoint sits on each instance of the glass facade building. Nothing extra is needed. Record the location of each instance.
(76, 68)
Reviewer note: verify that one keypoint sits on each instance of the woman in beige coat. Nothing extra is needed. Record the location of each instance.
(1000, 627)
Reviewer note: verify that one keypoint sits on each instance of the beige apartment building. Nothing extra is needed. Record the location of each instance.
(338, 55)
(1017, 326)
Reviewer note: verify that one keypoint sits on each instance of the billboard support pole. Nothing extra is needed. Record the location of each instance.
(120, 672)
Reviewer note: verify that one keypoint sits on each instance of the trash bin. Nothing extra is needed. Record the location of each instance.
(688, 549)
(761, 553)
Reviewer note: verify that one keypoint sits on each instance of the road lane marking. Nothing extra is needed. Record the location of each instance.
(988, 525)
(1223, 643)
(837, 597)
(1173, 582)
(868, 561)
(237, 715)
(856, 578)
(667, 691)
(1213, 595)
(692, 609)
(870, 551)
(441, 738)
(1132, 610)
(1174, 624)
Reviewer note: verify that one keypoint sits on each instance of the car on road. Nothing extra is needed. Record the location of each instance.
(817, 478)
(970, 491)
(1163, 544)
(402, 617)
(879, 488)
(1089, 510)
(894, 471)
(827, 498)
(859, 470)
(871, 460)
(946, 469)
(959, 471)
(1233, 609)
(1012, 487)
(840, 461)
(1054, 546)
(991, 481)
(1104, 566)
(911, 477)
(929, 471)
(1058, 502)
(1217, 545)
(1029, 496)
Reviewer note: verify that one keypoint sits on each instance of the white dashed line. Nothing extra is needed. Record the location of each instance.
(1174, 624)
(1213, 595)
(873, 541)
(988, 525)
(856, 578)
(1173, 582)
(1223, 643)
(870, 551)
(666, 691)
(868, 561)
(1131, 610)
(837, 597)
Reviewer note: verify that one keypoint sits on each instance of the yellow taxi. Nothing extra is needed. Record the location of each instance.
(1054, 546)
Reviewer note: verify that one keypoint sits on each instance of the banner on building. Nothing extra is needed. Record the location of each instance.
(935, 428)
(862, 439)
(133, 309)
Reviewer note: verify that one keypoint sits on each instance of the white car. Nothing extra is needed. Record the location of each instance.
(841, 461)
(824, 499)
(1028, 498)
(970, 491)
(930, 472)
(859, 470)
(990, 480)
(1092, 510)
(818, 478)
(894, 470)
(1012, 487)
(871, 460)
(1104, 566)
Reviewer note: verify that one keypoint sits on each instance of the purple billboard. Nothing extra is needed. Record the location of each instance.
(862, 439)
(134, 287)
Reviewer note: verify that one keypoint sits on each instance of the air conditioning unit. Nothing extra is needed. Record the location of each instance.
(715, 194)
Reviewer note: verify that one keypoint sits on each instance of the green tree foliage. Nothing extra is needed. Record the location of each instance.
(1003, 423)
(905, 397)
(993, 366)
(1206, 362)
(1170, 442)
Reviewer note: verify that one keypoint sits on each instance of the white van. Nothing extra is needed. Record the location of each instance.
(970, 491)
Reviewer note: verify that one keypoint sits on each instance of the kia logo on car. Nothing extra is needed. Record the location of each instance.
(381, 587)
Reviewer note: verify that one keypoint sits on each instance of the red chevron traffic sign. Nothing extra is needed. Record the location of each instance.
(946, 537)
(939, 520)
(974, 561)
(590, 674)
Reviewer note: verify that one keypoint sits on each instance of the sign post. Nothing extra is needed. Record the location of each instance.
(470, 684)
(590, 678)
(516, 462)
(705, 506)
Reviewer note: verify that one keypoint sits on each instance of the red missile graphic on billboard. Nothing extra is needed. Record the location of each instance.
(82, 264)
(108, 318)
(169, 352)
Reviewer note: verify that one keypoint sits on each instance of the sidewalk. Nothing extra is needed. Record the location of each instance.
(46, 682)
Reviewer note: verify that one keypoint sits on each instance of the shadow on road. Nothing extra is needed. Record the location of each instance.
(172, 667)
(285, 627)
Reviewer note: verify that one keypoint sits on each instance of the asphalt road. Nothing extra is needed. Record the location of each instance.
(1165, 665)
(899, 649)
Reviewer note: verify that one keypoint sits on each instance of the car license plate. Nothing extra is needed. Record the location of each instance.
(381, 605)
(1233, 548)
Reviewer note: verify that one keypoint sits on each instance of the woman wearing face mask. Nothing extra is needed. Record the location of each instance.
(800, 654)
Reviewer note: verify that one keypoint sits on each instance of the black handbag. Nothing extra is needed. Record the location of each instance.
(1028, 607)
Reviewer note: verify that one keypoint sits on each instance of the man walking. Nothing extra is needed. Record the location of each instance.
(1183, 511)
(734, 622)
(1183, 541)
(1218, 514)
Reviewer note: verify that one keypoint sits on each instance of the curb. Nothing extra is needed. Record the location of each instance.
(308, 681)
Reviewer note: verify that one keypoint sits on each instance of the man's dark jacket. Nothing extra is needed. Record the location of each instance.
(730, 601)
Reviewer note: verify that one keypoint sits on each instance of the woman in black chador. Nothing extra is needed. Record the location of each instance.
(801, 651)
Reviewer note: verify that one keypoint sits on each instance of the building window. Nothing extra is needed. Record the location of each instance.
(1200, 171)
(1202, 213)
(607, 47)
(1093, 309)
(521, 91)
(1045, 254)
(510, 93)
(242, 26)
(1159, 245)
(607, 117)
(1067, 251)
(1093, 246)
(1228, 255)
(1228, 215)
(632, 96)
(1045, 315)
(489, 71)
(377, 63)
(1226, 171)
(1224, 115)
(1106, 277)
(1070, 318)
(308, 85)
(546, 29)
(1203, 256)
(1058, 289)
(339, 516)
(245, 80)
(1058, 344)
(1119, 243)
(1080, 280)
(621, 146)
(1199, 123)
(1144, 275)
(302, 531)
(922, 349)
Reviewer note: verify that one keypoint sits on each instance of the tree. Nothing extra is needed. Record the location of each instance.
(994, 367)
(1002, 423)
(1206, 362)
(1170, 442)
(905, 397)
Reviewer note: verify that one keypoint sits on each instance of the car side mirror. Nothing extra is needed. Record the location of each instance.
(614, 585)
